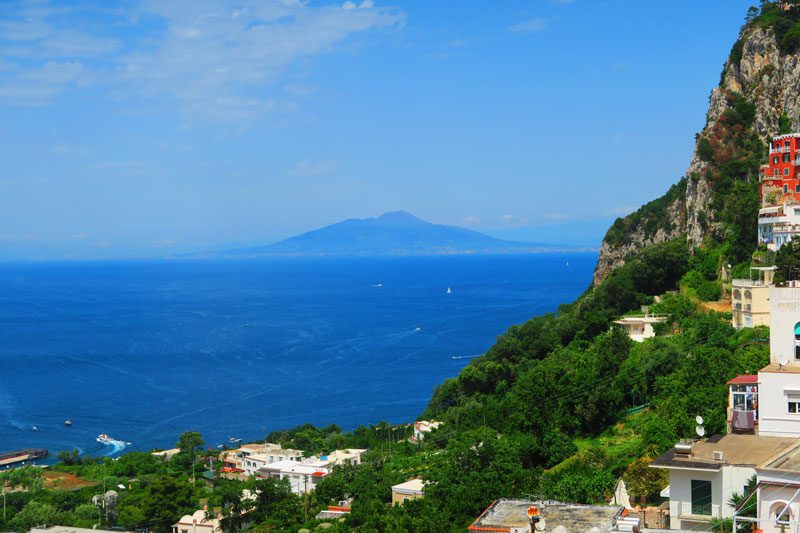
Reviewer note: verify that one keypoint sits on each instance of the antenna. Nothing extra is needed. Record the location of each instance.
(699, 429)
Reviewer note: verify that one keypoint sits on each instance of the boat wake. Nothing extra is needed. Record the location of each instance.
(466, 356)
(116, 446)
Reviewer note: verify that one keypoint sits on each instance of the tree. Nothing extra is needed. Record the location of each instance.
(34, 514)
(642, 481)
(787, 261)
(190, 442)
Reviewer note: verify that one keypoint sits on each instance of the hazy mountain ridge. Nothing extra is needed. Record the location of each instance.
(393, 233)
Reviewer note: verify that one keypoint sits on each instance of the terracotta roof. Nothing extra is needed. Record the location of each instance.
(744, 379)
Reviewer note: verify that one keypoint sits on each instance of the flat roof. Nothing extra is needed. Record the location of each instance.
(790, 461)
(738, 450)
(504, 514)
(744, 379)
(410, 486)
(775, 368)
(650, 319)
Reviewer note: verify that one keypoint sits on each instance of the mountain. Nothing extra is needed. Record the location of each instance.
(716, 202)
(394, 233)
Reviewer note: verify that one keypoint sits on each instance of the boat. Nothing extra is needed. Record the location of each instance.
(105, 439)
(21, 456)
(449, 290)
(68, 423)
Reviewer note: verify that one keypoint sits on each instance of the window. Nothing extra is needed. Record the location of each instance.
(701, 497)
(797, 341)
(796, 189)
(787, 144)
(785, 188)
(785, 158)
(776, 160)
(744, 397)
(785, 171)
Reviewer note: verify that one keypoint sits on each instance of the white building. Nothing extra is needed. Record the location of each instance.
(303, 476)
(421, 427)
(750, 298)
(779, 382)
(640, 328)
(253, 457)
(197, 523)
(778, 225)
(409, 490)
(703, 475)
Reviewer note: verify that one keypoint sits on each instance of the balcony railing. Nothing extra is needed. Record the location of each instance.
(711, 511)
(780, 150)
(749, 283)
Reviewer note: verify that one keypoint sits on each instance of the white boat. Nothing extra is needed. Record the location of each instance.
(105, 439)
(449, 290)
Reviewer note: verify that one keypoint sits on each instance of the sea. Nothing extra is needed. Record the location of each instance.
(145, 350)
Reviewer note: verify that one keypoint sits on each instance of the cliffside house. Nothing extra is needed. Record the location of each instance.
(780, 177)
(525, 516)
(704, 474)
(250, 458)
(639, 328)
(778, 225)
(422, 427)
(750, 298)
(409, 490)
(764, 428)
(304, 475)
(197, 523)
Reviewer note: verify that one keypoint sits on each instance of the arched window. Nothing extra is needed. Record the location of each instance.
(737, 295)
(776, 509)
(797, 341)
(748, 295)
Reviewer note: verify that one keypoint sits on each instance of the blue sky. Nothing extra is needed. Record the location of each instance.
(142, 128)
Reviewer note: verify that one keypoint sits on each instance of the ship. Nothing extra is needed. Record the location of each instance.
(22, 456)
(105, 439)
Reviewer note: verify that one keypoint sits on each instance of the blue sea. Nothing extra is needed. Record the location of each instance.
(144, 350)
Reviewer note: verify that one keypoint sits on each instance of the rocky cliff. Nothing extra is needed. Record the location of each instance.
(759, 92)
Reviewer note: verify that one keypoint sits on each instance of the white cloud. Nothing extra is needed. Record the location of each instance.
(211, 59)
(530, 26)
(471, 221)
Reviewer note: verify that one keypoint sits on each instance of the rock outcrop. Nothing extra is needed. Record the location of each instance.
(769, 79)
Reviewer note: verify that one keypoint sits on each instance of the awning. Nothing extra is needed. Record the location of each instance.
(665, 493)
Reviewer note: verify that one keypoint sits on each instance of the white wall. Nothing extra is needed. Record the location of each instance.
(726, 481)
(784, 314)
(777, 488)
(774, 419)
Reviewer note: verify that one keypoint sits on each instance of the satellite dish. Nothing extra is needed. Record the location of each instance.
(700, 430)
(699, 420)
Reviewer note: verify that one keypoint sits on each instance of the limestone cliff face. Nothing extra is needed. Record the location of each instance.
(765, 77)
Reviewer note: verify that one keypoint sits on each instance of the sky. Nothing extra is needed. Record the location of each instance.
(148, 128)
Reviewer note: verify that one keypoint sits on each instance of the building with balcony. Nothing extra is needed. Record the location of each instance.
(750, 298)
(743, 404)
(778, 225)
(197, 522)
(780, 177)
(250, 458)
(703, 475)
(639, 328)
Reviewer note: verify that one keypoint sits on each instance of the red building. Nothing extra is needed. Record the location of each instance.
(780, 178)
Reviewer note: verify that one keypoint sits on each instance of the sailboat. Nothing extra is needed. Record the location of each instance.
(449, 290)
